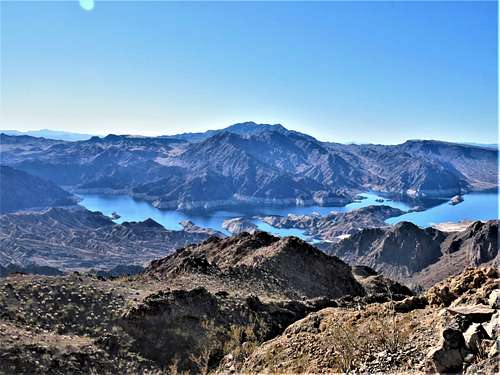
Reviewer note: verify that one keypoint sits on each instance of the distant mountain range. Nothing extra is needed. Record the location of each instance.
(488, 145)
(251, 164)
(243, 128)
(50, 134)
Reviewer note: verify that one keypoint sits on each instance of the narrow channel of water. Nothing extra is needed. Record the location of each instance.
(476, 206)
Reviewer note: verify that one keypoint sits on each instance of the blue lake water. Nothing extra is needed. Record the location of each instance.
(476, 206)
(134, 210)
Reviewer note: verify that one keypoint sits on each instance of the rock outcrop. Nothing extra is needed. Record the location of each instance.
(469, 337)
(377, 285)
(377, 338)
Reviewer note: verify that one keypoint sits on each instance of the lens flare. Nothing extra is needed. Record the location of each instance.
(87, 4)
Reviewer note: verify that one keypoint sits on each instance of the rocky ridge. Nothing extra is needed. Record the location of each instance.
(257, 264)
(420, 257)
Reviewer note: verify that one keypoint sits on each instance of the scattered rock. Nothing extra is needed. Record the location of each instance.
(410, 304)
(486, 366)
(494, 299)
(493, 326)
(453, 338)
(449, 356)
(477, 313)
(447, 360)
(474, 335)
(494, 349)
(469, 358)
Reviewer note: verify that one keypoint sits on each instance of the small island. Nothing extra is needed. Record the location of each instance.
(456, 200)
(239, 225)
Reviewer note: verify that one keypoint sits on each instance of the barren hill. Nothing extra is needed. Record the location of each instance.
(416, 256)
(260, 264)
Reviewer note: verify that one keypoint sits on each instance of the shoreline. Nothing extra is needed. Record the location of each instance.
(420, 203)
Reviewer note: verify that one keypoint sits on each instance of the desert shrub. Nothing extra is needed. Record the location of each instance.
(348, 344)
(389, 333)
(354, 341)
(240, 341)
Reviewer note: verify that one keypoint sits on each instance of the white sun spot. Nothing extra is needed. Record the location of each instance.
(87, 4)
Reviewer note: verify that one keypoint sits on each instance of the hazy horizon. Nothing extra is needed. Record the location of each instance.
(341, 72)
(472, 142)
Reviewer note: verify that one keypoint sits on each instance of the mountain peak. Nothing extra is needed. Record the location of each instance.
(242, 128)
(253, 127)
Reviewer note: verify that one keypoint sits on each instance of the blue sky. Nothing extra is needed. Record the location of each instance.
(379, 72)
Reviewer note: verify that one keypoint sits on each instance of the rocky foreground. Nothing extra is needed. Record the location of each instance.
(452, 328)
(247, 304)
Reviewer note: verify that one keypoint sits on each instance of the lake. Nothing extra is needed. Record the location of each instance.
(476, 206)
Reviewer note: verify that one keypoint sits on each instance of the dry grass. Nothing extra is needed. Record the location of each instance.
(334, 341)
(241, 340)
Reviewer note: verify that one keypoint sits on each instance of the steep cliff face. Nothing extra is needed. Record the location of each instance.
(480, 242)
(413, 255)
(477, 245)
